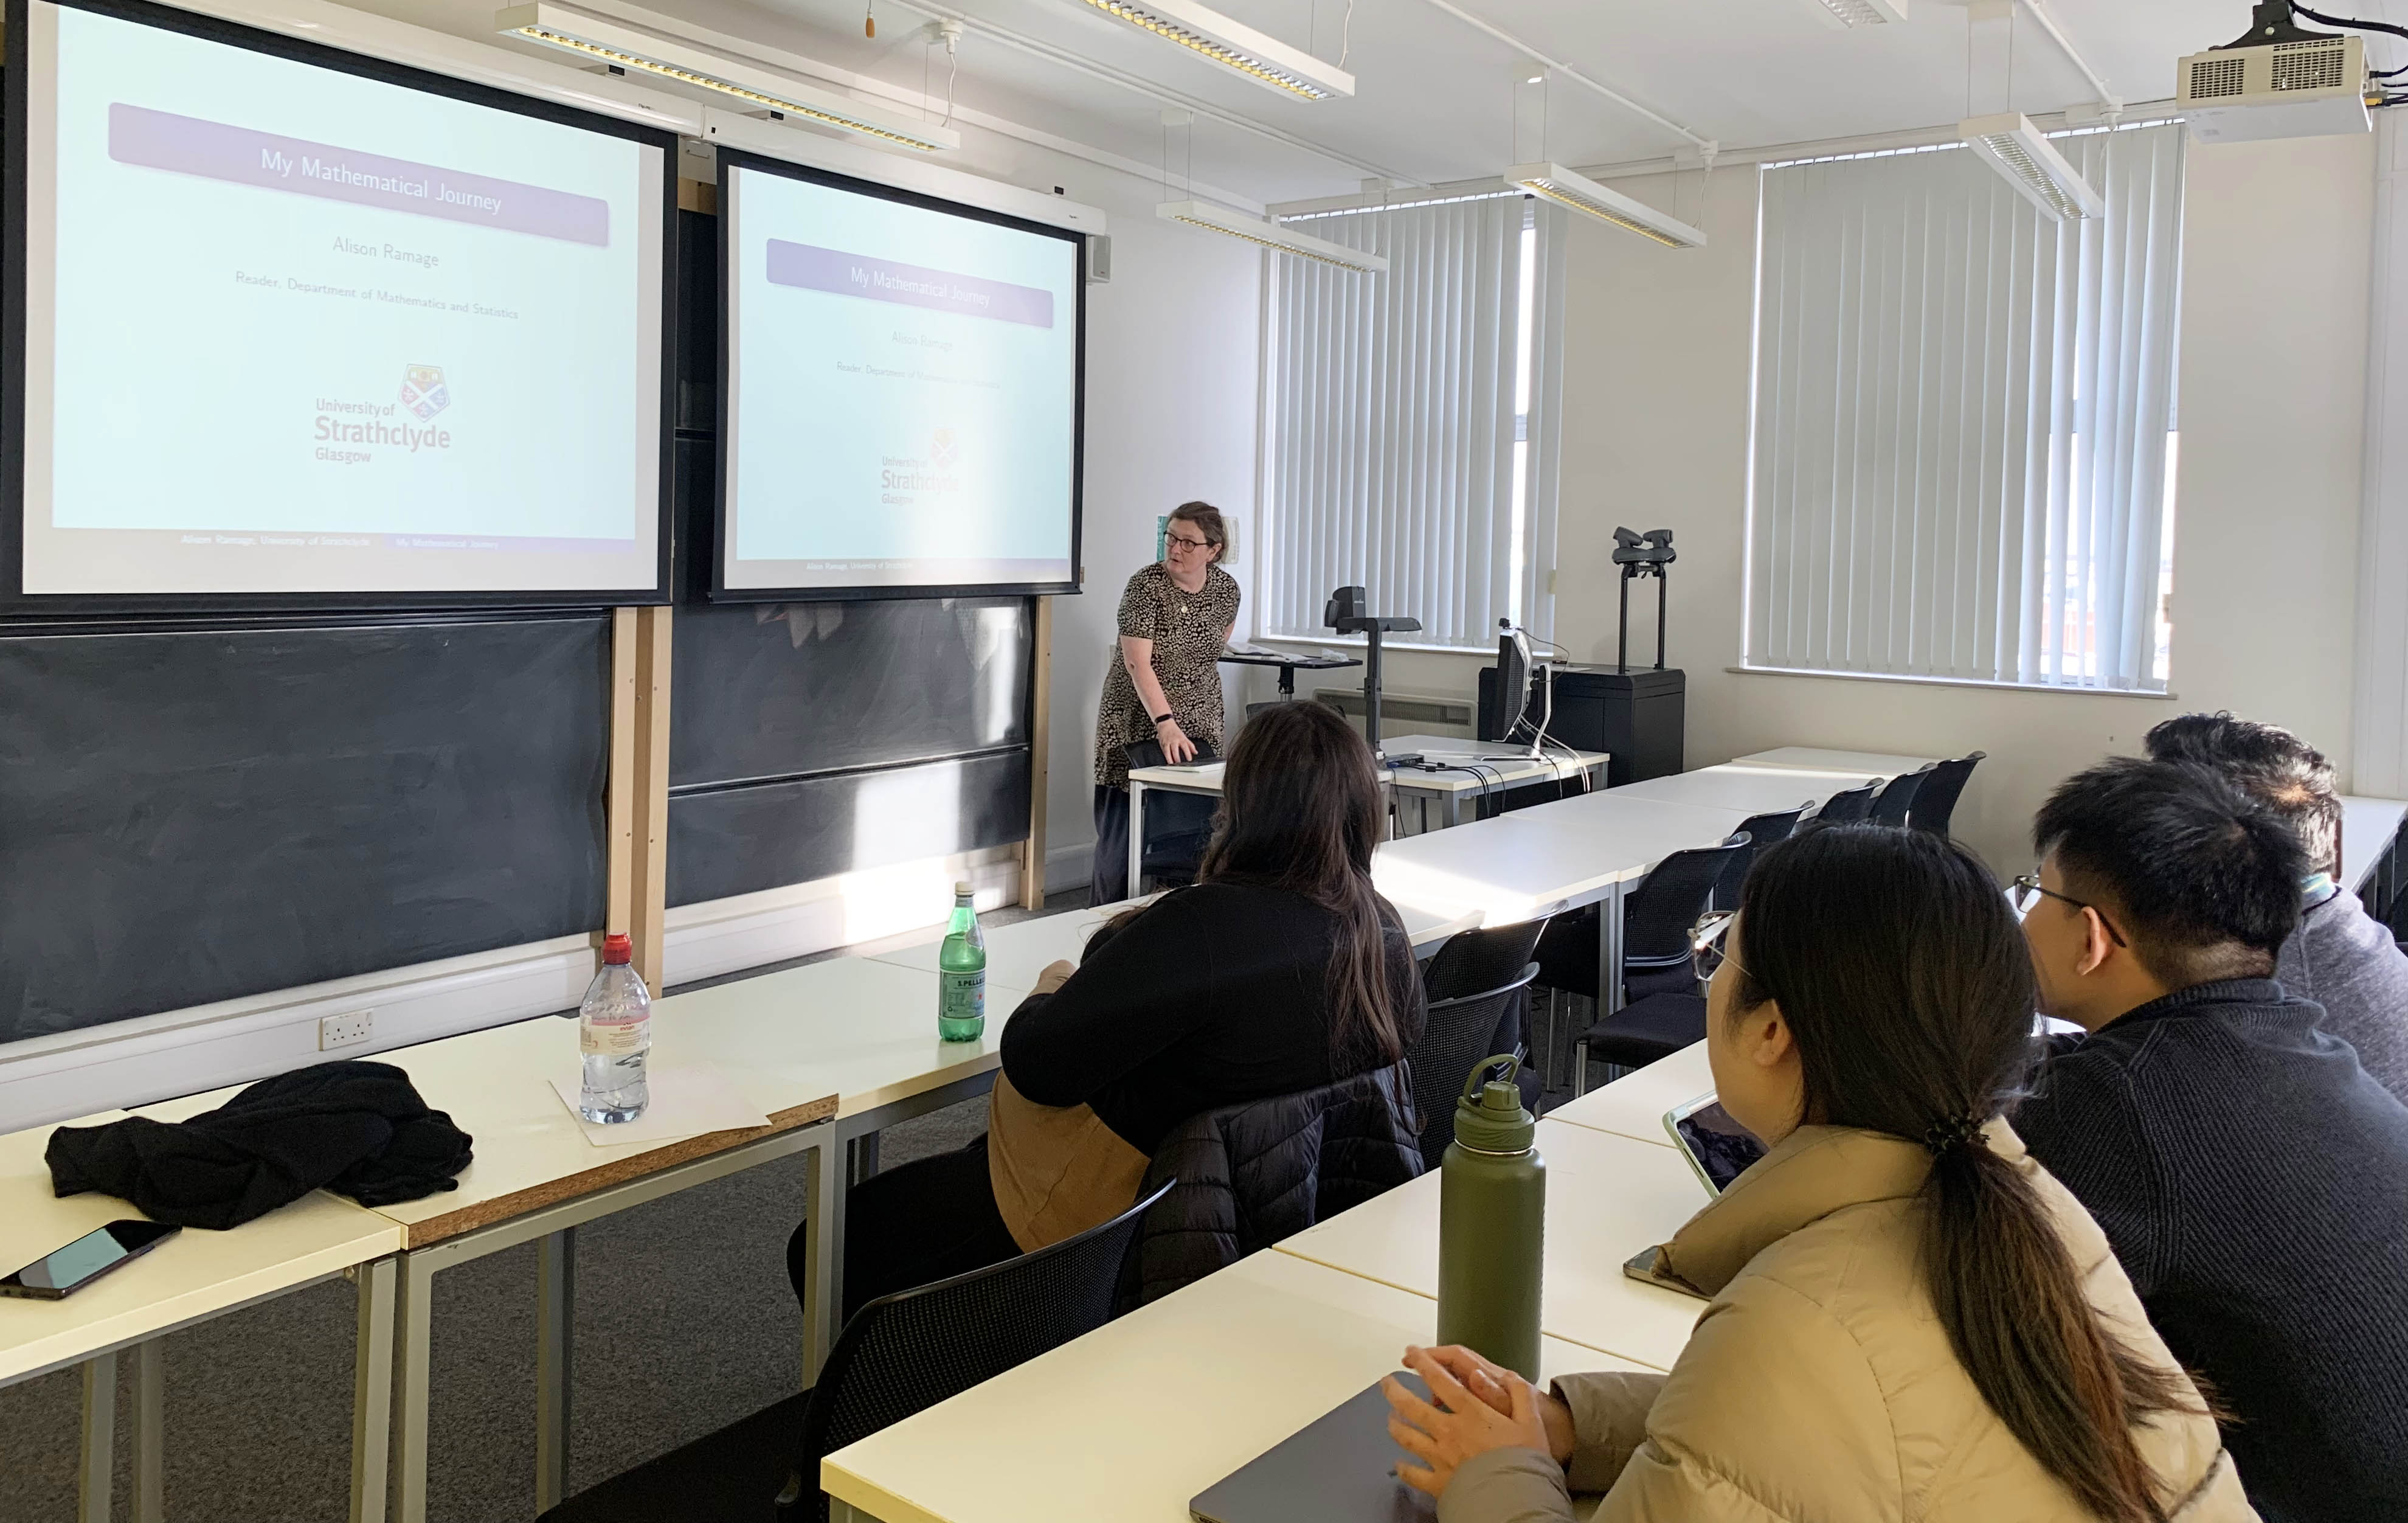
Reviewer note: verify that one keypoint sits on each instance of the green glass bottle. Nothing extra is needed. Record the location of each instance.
(1492, 1222)
(961, 973)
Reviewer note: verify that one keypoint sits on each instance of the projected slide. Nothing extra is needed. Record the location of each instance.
(903, 393)
(291, 330)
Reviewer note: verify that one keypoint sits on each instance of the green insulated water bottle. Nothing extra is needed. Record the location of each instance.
(961, 973)
(1492, 1222)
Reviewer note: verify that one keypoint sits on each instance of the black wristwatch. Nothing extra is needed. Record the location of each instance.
(1160, 720)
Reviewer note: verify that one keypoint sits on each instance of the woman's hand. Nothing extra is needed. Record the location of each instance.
(1177, 749)
(1466, 1421)
(1494, 1383)
(1058, 973)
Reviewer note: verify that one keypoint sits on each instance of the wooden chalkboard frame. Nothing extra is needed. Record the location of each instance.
(15, 602)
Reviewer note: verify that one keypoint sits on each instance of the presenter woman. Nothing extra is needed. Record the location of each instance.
(1175, 617)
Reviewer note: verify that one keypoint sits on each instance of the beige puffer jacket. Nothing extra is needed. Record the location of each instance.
(1819, 1386)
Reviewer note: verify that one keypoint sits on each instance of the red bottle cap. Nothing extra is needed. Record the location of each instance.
(618, 950)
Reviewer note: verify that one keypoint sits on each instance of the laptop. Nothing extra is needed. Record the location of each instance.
(1340, 1468)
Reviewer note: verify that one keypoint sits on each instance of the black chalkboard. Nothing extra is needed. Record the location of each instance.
(774, 690)
(191, 815)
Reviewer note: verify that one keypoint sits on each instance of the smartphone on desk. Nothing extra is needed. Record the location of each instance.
(86, 1260)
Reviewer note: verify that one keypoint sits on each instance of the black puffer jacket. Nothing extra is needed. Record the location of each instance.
(1250, 1175)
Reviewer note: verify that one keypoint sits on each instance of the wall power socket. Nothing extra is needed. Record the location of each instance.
(348, 1029)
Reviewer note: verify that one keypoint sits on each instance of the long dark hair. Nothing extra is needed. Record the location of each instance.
(1301, 811)
(1906, 983)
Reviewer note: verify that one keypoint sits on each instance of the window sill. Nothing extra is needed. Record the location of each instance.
(2151, 695)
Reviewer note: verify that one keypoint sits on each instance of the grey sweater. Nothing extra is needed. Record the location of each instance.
(2345, 960)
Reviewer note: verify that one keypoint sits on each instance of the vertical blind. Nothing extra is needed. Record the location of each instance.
(1391, 459)
(1963, 414)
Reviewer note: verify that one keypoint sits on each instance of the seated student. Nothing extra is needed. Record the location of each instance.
(2341, 956)
(1910, 1320)
(2252, 1177)
(1280, 970)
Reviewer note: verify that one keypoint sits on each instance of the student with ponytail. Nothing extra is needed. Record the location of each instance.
(1909, 1319)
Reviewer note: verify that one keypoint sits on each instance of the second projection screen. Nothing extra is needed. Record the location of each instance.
(902, 401)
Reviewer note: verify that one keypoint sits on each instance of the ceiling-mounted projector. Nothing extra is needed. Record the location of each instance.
(2276, 81)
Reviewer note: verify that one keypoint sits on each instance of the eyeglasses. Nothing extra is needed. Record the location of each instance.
(1181, 541)
(1707, 934)
(2026, 892)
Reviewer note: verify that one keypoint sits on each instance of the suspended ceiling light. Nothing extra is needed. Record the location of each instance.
(1266, 59)
(599, 40)
(2033, 166)
(1847, 14)
(1591, 199)
(1212, 219)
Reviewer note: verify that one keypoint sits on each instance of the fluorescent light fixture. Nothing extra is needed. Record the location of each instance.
(2033, 164)
(599, 40)
(1236, 225)
(1846, 15)
(1591, 199)
(1266, 59)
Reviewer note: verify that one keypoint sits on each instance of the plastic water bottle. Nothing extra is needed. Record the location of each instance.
(614, 1031)
(961, 973)
(1492, 1222)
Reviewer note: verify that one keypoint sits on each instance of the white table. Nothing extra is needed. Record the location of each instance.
(1746, 786)
(1813, 758)
(1447, 788)
(1132, 1421)
(192, 1277)
(2367, 828)
(829, 1052)
(1608, 1196)
(1634, 1105)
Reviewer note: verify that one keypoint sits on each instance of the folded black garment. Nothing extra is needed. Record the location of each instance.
(356, 1128)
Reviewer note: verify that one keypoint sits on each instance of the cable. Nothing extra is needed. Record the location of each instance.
(2298, 9)
(1346, 35)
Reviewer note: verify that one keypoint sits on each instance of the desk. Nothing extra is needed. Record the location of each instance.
(1289, 665)
(800, 1045)
(192, 1277)
(1747, 786)
(1810, 758)
(2367, 828)
(1447, 789)
(1608, 1196)
(1634, 1105)
(1138, 1417)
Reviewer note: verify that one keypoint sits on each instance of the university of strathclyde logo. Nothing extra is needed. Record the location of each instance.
(941, 449)
(422, 390)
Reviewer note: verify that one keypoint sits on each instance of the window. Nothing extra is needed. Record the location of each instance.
(1411, 421)
(1964, 418)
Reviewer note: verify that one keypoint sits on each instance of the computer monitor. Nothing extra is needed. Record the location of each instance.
(1510, 698)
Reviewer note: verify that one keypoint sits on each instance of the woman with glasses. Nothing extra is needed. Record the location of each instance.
(1165, 683)
(1907, 1316)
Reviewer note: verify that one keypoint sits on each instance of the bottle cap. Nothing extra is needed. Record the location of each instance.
(618, 950)
(964, 890)
(1489, 1119)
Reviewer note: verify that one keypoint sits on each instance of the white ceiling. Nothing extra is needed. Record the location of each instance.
(1433, 97)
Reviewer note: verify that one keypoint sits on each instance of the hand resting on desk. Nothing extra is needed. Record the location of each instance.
(1479, 1406)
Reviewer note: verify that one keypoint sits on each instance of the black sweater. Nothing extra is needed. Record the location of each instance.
(2254, 1180)
(1213, 996)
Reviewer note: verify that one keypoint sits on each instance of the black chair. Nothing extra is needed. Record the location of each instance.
(1461, 1031)
(1477, 962)
(1848, 804)
(1761, 831)
(1178, 825)
(1656, 964)
(1891, 805)
(1935, 802)
(903, 1353)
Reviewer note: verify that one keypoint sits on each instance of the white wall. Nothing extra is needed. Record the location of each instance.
(2272, 384)
(1171, 377)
